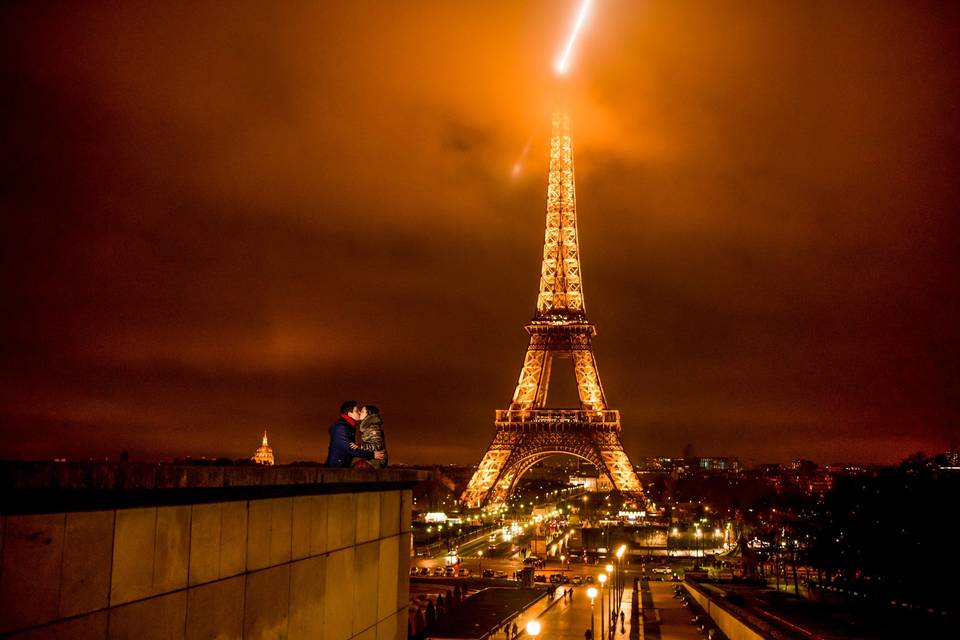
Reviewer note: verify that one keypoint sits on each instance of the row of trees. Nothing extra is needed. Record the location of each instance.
(887, 535)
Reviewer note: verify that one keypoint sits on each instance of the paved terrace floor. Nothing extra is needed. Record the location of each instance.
(568, 619)
(664, 617)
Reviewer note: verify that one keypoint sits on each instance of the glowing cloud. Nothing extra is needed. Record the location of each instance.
(564, 62)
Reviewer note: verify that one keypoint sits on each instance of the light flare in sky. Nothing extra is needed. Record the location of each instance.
(518, 165)
(561, 67)
(564, 62)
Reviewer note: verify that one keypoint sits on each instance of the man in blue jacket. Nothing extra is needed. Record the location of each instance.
(343, 436)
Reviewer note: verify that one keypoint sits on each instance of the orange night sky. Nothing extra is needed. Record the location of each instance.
(228, 217)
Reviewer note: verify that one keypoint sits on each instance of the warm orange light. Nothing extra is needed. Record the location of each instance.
(564, 63)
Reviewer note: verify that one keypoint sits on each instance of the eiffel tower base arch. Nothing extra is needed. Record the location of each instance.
(525, 438)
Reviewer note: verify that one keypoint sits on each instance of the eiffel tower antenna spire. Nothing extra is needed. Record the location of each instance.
(529, 432)
(561, 291)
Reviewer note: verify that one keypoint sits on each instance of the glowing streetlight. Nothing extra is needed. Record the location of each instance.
(533, 628)
(592, 594)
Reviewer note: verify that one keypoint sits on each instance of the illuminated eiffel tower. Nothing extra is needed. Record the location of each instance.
(528, 432)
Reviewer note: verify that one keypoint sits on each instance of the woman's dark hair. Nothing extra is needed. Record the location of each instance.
(371, 409)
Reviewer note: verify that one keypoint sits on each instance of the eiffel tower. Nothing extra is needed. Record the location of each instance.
(529, 432)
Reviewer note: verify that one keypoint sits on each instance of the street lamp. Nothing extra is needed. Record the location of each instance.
(533, 629)
(592, 594)
(480, 555)
(620, 553)
(699, 535)
(602, 578)
(609, 570)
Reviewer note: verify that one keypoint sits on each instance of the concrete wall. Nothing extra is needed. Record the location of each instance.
(320, 565)
(731, 626)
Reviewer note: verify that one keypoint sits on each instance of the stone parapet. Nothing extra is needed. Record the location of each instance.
(107, 550)
(39, 487)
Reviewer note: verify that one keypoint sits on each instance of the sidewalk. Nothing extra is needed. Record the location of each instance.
(568, 621)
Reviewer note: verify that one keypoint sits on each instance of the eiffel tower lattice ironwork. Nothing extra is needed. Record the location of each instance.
(529, 432)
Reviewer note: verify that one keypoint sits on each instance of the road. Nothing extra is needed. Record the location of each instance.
(506, 558)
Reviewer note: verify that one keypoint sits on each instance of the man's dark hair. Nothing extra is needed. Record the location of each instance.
(372, 409)
(348, 406)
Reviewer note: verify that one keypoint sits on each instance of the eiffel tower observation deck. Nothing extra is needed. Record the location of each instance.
(530, 431)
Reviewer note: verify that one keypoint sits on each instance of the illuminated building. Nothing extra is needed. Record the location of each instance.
(529, 432)
(264, 454)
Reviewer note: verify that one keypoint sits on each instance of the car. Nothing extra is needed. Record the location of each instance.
(424, 571)
(449, 572)
(555, 578)
(539, 578)
(664, 570)
(414, 571)
(588, 580)
(500, 574)
(577, 580)
(438, 572)
(491, 550)
(487, 573)
(531, 560)
(464, 573)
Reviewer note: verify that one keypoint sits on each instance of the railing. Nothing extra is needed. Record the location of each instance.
(558, 416)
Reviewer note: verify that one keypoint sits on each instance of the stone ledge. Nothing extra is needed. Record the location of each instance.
(47, 487)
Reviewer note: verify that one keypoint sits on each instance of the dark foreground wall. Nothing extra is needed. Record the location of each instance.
(159, 551)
